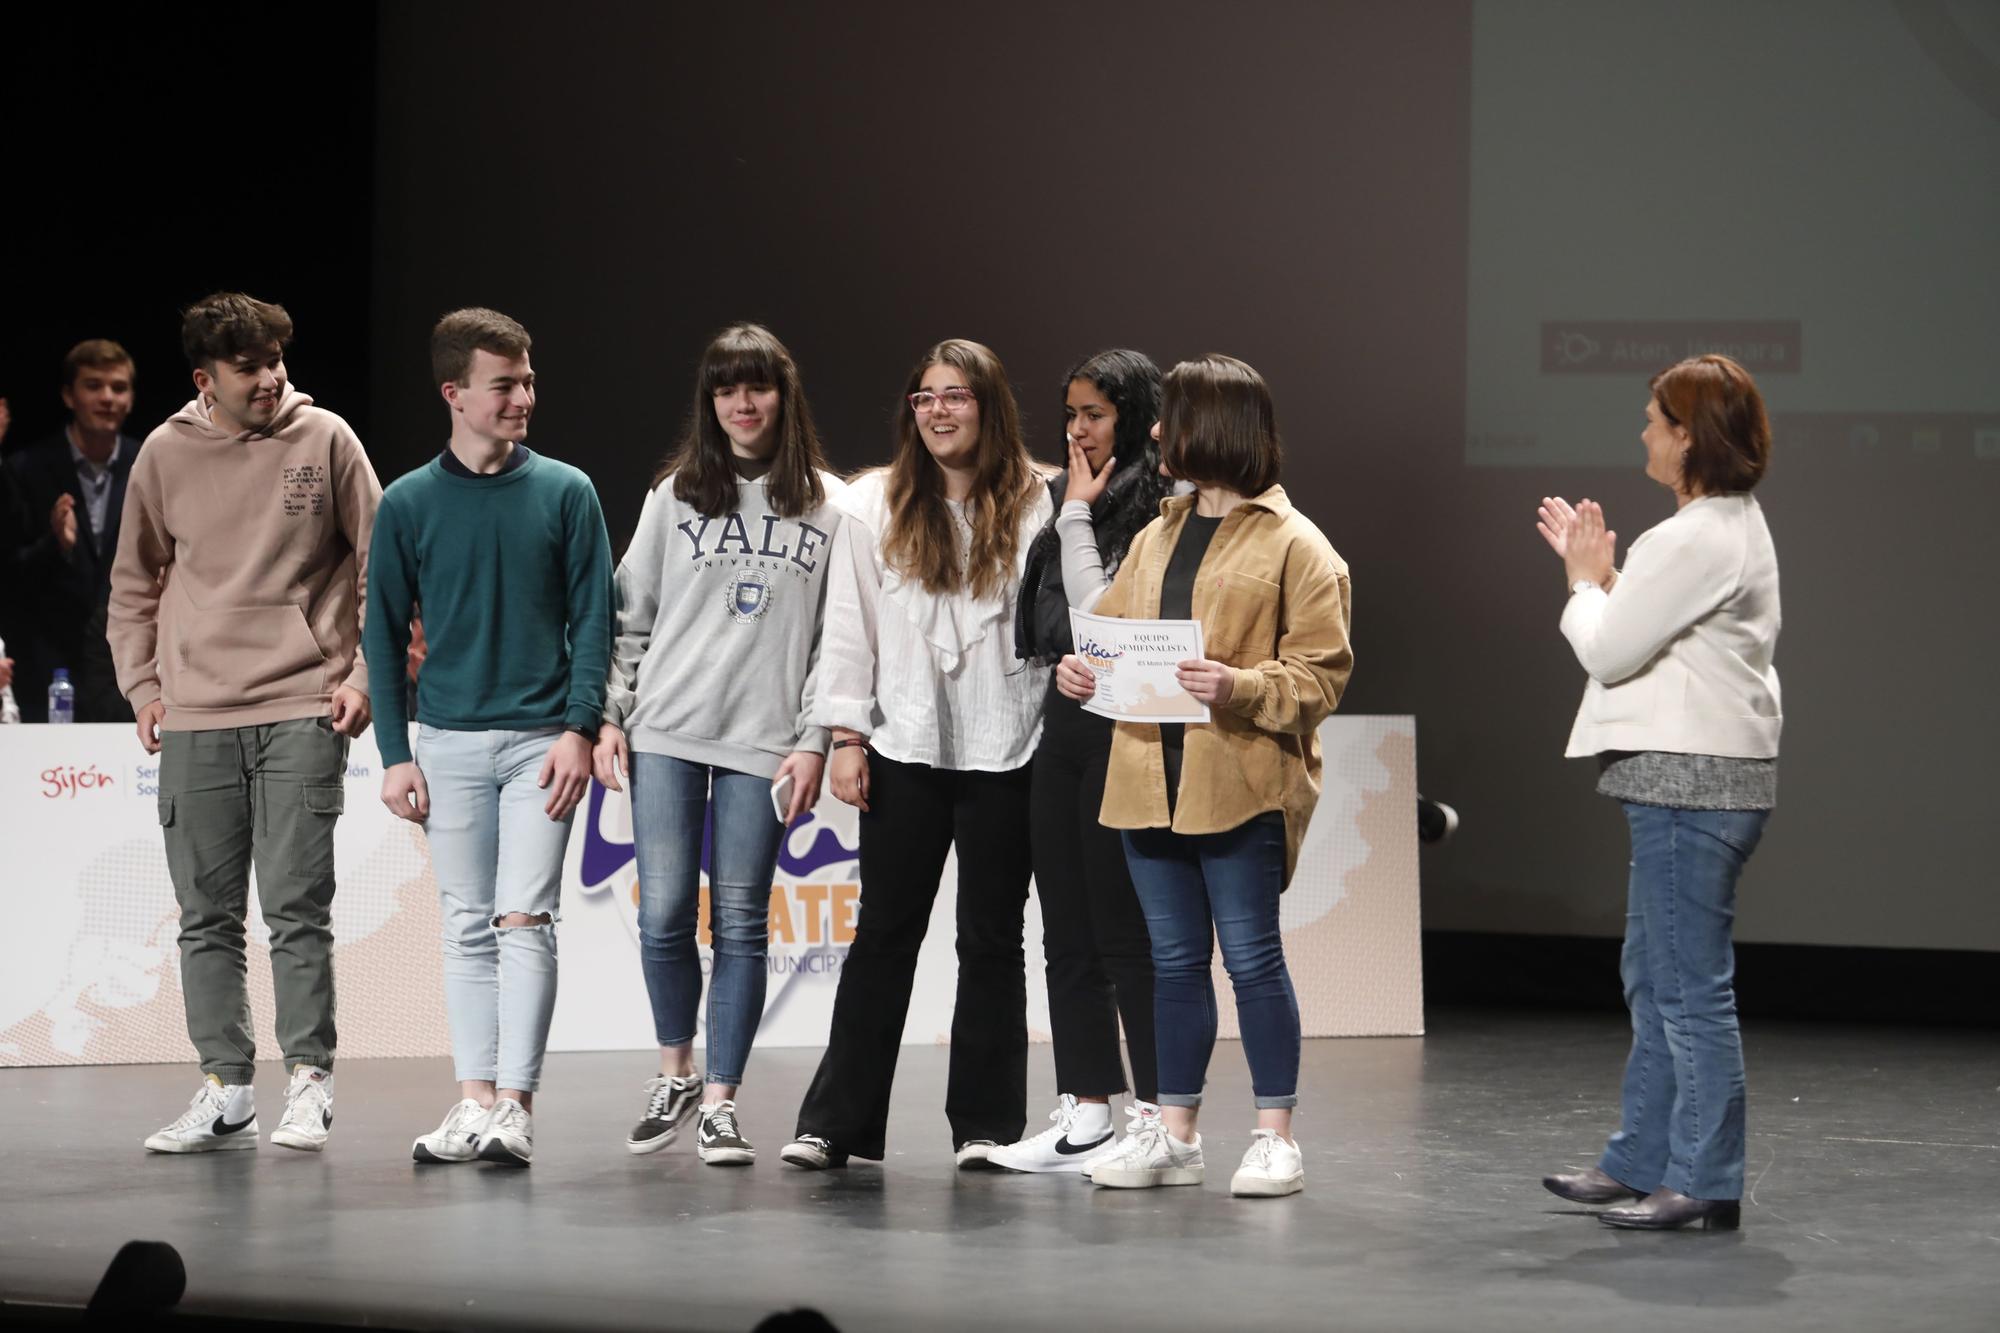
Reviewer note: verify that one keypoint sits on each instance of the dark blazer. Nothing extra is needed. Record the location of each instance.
(58, 600)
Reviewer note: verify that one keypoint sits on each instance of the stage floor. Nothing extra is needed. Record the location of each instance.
(1874, 1156)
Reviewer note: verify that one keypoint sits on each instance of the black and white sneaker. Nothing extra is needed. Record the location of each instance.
(222, 1116)
(810, 1152)
(1066, 1146)
(308, 1115)
(1436, 821)
(976, 1155)
(670, 1100)
(717, 1139)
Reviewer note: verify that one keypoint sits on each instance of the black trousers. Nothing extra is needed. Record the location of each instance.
(915, 814)
(1099, 960)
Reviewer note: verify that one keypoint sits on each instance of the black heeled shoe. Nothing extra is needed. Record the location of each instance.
(1588, 1186)
(1666, 1210)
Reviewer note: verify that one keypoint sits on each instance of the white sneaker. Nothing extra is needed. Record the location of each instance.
(508, 1137)
(1053, 1149)
(1272, 1167)
(457, 1139)
(1150, 1156)
(1138, 1116)
(221, 1116)
(308, 1117)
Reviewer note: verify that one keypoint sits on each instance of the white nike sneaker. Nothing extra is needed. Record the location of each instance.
(1271, 1168)
(222, 1116)
(509, 1134)
(1053, 1150)
(457, 1139)
(1138, 1116)
(1150, 1157)
(308, 1114)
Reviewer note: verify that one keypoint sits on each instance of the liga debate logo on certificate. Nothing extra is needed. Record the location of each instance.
(1134, 663)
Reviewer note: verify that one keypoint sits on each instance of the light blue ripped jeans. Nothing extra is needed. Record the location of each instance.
(494, 850)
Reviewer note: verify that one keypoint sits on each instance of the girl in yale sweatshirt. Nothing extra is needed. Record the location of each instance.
(720, 601)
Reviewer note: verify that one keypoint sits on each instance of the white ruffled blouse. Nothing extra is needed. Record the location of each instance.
(929, 678)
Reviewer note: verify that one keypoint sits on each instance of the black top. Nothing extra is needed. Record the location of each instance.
(449, 461)
(1177, 603)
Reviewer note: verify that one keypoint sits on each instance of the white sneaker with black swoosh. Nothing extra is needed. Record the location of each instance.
(221, 1117)
(308, 1117)
(1053, 1150)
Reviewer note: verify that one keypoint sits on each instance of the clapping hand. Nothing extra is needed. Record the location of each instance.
(1588, 549)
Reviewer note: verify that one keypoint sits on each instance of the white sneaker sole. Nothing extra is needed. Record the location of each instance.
(726, 1156)
(1262, 1187)
(247, 1138)
(806, 1159)
(1139, 1178)
(298, 1139)
(420, 1151)
(1040, 1166)
(493, 1150)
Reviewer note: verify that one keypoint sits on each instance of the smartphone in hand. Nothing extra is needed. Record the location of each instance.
(781, 797)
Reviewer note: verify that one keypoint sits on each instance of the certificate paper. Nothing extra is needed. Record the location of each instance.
(1134, 663)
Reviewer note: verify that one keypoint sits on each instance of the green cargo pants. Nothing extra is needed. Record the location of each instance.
(266, 796)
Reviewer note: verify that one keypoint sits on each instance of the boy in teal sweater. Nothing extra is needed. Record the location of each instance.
(506, 554)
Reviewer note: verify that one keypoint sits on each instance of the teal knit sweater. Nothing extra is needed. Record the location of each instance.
(512, 573)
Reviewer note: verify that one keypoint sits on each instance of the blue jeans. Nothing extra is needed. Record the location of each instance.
(671, 800)
(495, 851)
(1681, 1123)
(1196, 889)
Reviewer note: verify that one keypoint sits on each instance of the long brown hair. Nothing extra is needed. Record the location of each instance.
(702, 466)
(922, 541)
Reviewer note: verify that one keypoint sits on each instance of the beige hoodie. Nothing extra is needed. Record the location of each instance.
(236, 594)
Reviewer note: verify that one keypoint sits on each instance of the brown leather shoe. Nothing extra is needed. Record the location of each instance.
(1665, 1210)
(1588, 1186)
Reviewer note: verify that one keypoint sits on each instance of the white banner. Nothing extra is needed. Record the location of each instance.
(92, 973)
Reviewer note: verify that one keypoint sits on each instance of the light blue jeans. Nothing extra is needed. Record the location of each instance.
(1681, 1123)
(494, 850)
(671, 804)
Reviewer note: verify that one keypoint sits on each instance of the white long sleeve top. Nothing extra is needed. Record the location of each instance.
(1680, 650)
(929, 678)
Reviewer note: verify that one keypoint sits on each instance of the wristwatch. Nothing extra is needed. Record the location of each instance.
(588, 733)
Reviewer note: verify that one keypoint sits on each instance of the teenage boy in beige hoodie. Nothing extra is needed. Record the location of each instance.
(235, 624)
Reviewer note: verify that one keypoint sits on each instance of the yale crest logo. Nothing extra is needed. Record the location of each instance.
(749, 597)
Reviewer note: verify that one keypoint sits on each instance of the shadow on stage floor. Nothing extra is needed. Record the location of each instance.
(1873, 1155)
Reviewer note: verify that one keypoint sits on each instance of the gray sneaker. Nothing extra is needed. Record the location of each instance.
(670, 1100)
(718, 1140)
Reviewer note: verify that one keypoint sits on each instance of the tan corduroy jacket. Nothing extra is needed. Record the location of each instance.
(1274, 602)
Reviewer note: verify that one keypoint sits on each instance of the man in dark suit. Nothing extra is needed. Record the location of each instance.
(72, 488)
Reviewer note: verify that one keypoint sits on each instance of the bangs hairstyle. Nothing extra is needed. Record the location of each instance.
(474, 329)
(229, 325)
(1729, 437)
(922, 540)
(95, 354)
(1218, 426)
(703, 465)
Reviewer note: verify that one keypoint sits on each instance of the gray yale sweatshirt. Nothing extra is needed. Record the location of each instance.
(718, 630)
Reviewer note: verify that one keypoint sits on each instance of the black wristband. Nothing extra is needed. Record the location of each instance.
(587, 733)
(850, 740)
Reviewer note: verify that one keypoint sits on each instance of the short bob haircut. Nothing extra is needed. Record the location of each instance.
(1729, 437)
(1218, 427)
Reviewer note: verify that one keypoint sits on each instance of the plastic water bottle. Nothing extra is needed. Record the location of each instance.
(62, 697)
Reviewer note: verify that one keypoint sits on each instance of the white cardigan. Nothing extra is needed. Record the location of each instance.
(1679, 651)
